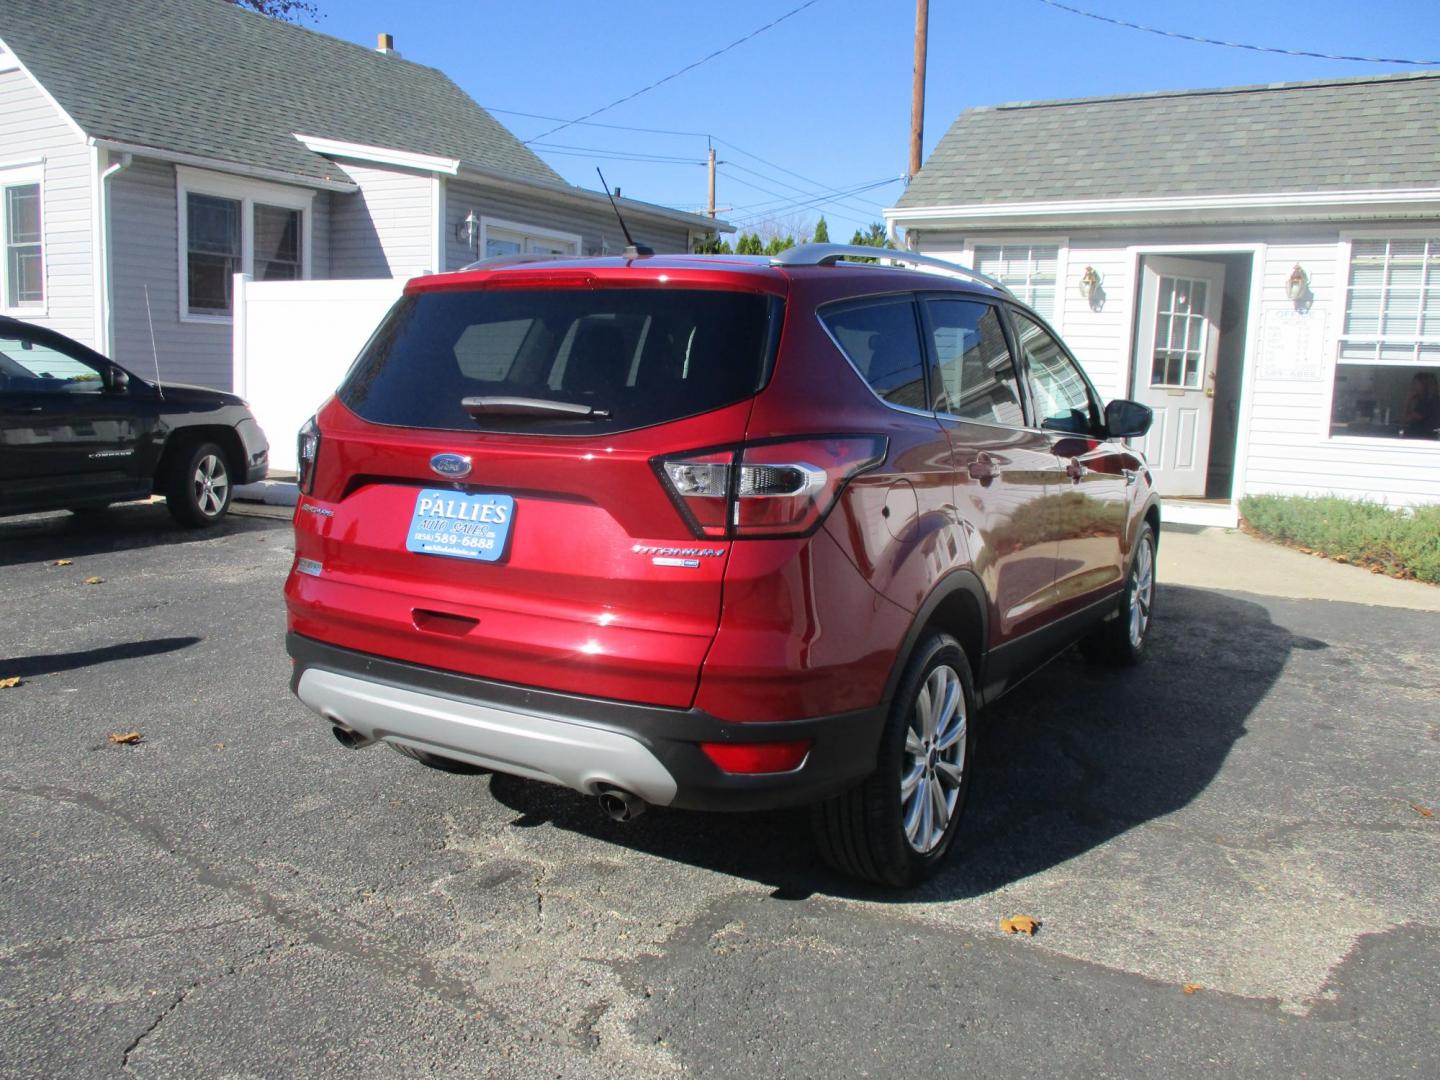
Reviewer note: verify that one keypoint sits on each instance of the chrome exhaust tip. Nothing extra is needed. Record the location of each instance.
(349, 738)
(621, 805)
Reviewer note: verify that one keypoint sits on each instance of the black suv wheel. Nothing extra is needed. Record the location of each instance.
(198, 489)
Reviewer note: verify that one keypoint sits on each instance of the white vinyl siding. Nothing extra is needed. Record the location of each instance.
(1030, 271)
(387, 228)
(38, 145)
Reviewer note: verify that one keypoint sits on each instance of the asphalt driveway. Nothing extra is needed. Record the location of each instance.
(1228, 850)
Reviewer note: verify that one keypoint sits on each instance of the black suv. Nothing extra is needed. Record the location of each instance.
(78, 432)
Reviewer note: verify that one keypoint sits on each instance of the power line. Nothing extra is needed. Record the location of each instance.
(821, 200)
(834, 196)
(801, 191)
(1236, 44)
(676, 74)
(596, 123)
(616, 155)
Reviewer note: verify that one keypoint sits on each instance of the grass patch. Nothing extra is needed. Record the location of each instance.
(1403, 543)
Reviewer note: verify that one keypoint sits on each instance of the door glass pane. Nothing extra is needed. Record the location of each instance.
(1180, 333)
(976, 375)
(882, 341)
(213, 239)
(1063, 401)
(29, 366)
(277, 243)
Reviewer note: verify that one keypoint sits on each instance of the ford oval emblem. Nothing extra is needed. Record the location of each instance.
(453, 466)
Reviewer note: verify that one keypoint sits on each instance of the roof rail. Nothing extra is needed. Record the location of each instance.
(830, 254)
(497, 262)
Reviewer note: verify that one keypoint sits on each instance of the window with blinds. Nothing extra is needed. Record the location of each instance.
(1392, 303)
(1027, 270)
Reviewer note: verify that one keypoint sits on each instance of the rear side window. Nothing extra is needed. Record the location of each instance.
(974, 368)
(636, 356)
(882, 341)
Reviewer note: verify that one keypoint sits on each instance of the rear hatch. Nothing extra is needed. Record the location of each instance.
(485, 498)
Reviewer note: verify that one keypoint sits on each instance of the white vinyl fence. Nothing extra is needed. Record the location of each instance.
(294, 341)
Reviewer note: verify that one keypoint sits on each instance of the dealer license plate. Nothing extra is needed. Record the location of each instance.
(459, 525)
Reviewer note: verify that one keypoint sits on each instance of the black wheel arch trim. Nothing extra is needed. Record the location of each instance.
(954, 582)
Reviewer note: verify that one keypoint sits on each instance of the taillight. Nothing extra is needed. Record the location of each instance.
(307, 452)
(781, 488)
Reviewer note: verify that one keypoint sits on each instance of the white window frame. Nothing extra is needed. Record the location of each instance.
(1347, 249)
(1336, 340)
(525, 232)
(247, 192)
(1056, 318)
(20, 174)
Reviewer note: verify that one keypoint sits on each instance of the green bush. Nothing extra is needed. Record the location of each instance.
(1402, 542)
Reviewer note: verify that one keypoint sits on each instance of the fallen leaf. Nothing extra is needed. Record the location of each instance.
(1423, 811)
(63, 562)
(1191, 988)
(94, 581)
(1020, 924)
(130, 738)
(7, 683)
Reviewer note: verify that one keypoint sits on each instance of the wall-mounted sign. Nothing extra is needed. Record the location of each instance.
(1292, 344)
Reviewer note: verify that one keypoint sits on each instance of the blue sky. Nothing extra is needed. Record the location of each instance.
(826, 93)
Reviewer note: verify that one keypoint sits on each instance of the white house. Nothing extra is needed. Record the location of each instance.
(1259, 264)
(153, 149)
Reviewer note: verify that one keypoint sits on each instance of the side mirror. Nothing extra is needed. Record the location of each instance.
(117, 380)
(1127, 419)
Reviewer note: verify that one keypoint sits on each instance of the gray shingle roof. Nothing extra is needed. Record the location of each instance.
(1339, 134)
(204, 77)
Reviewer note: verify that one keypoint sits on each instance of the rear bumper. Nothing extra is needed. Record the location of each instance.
(579, 742)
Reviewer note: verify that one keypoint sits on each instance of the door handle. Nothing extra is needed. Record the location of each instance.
(1075, 470)
(983, 468)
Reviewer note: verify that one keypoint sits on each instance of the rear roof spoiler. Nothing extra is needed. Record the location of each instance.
(831, 254)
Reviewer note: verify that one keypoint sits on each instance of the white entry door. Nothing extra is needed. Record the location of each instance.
(1176, 347)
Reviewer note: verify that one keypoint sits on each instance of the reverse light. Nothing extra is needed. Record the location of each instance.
(769, 489)
(307, 453)
(760, 757)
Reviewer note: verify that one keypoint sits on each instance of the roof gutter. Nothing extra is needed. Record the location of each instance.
(1176, 209)
(235, 168)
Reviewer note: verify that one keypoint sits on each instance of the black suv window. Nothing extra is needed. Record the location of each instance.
(1062, 398)
(882, 341)
(636, 356)
(975, 373)
(29, 366)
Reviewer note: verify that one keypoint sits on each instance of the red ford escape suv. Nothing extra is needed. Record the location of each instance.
(714, 532)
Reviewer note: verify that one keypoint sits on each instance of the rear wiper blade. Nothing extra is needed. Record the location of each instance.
(525, 406)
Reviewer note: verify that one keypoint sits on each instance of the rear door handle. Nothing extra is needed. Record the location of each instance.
(1075, 470)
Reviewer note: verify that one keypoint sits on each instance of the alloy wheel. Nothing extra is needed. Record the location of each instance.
(934, 761)
(211, 485)
(1142, 592)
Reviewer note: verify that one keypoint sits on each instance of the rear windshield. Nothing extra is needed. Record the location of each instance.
(637, 356)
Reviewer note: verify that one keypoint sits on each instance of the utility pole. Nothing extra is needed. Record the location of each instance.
(917, 92)
(710, 208)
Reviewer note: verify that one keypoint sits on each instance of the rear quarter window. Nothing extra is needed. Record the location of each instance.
(881, 339)
(638, 356)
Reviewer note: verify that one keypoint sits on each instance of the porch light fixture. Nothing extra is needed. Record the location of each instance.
(1297, 285)
(1090, 283)
(468, 231)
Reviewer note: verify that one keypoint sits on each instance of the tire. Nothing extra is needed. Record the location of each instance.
(199, 485)
(435, 761)
(1120, 641)
(863, 832)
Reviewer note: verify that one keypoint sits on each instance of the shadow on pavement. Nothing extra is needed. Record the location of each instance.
(1074, 757)
(63, 535)
(28, 667)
